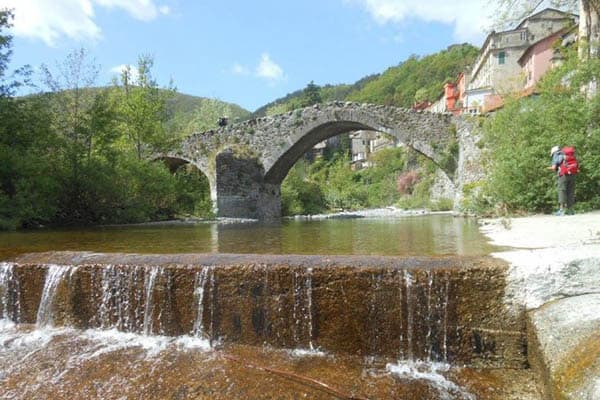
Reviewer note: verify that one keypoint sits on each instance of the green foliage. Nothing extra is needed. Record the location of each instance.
(414, 79)
(417, 78)
(190, 114)
(66, 157)
(144, 108)
(299, 195)
(193, 192)
(6, 17)
(520, 136)
(331, 184)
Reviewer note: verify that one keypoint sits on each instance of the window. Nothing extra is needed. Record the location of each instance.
(501, 58)
(523, 35)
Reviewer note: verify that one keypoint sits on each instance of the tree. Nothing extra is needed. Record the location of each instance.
(144, 107)
(311, 95)
(27, 186)
(81, 113)
(6, 17)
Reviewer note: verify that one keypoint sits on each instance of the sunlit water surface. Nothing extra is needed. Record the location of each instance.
(56, 363)
(408, 236)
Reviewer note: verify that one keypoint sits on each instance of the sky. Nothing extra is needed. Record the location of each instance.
(247, 52)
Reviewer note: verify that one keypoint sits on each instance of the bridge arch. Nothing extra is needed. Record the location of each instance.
(247, 181)
(174, 162)
(281, 167)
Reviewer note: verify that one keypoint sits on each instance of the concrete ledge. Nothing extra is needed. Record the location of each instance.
(441, 309)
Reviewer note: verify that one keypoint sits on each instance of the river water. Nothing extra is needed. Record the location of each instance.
(42, 361)
(427, 235)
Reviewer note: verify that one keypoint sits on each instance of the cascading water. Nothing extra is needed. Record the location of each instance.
(203, 278)
(120, 298)
(153, 312)
(54, 278)
(9, 293)
(431, 305)
(303, 309)
(409, 315)
(149, 300)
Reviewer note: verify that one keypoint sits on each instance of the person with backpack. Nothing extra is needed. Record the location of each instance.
(565, 164)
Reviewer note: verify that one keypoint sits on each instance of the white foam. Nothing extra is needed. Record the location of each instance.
(307, 353)
(113, 340)
(432, 373)
(192, 343)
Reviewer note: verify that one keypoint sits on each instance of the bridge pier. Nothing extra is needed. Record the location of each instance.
(241, 191)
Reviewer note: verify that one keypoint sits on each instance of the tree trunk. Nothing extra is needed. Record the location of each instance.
(589, 29)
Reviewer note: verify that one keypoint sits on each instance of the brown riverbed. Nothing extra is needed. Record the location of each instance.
(74, 364)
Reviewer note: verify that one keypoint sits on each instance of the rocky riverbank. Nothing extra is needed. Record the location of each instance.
(554, 275)
(385, 212)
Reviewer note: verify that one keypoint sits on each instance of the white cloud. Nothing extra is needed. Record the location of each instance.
(164, 10)
(470, 18)
(49, 20)
(144, 10)
(268, 69)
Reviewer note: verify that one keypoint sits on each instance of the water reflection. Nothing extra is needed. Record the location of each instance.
(409, 236)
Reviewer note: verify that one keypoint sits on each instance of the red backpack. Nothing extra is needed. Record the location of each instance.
(569, 166)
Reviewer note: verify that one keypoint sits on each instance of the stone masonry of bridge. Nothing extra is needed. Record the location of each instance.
(246, 162)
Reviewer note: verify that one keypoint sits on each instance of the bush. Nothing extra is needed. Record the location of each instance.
(518, 140)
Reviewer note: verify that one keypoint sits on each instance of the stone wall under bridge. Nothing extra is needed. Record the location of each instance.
(440, 309)
(246, 162)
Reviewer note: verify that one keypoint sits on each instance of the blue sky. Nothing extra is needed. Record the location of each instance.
(243, 52)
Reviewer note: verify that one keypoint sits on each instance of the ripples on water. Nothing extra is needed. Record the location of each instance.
(407, 236)
(44, 362)
(53, 363)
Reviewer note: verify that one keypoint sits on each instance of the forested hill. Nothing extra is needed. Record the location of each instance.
(190, 114)
(415, 79)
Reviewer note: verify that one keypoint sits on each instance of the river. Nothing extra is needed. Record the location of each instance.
(426, 235)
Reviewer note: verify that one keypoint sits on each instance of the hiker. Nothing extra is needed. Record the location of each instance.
(566, 167)
(223, 121)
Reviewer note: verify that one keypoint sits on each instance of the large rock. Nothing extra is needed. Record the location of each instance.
(564, 342)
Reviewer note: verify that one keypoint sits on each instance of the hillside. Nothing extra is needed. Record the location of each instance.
(191, 114)
(417, 78)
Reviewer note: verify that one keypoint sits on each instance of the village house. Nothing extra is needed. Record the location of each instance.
(540, 57)
(510, 62)
(499, 68)
(364, 143)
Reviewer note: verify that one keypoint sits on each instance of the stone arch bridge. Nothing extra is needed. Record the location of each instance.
(246, 162)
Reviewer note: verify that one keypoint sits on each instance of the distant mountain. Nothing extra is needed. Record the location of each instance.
(417, 78)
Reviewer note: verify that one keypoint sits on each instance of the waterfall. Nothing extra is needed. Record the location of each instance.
(54, 277)
(9, 293)
(310, 307)
(149, 300)
(302, 312)
(430, 317)
(203, 278)
(400, 316)
(120, 298)
(408, 279)
(445, 321)
(423, 318)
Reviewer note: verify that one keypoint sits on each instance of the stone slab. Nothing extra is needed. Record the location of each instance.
(566, 337)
